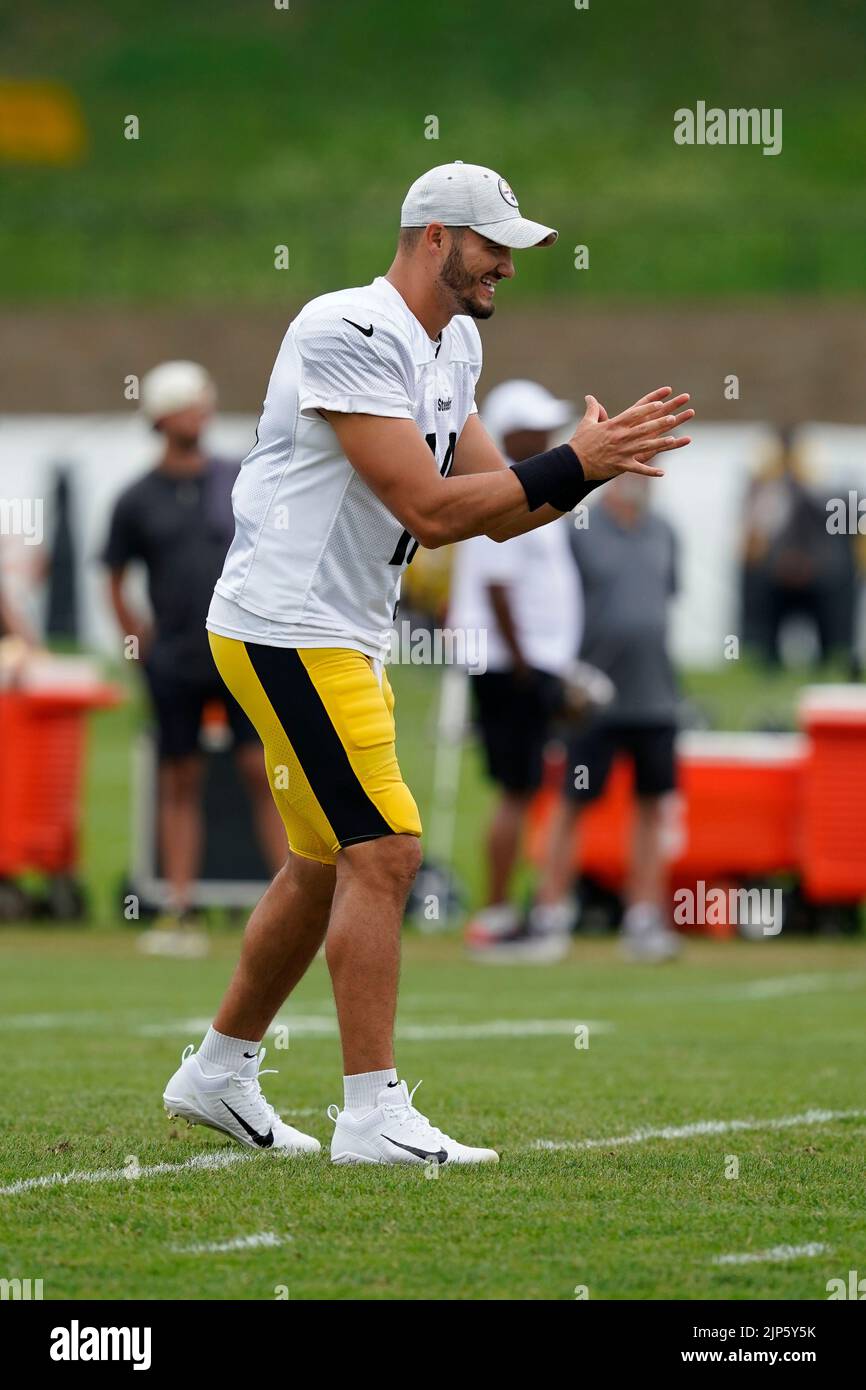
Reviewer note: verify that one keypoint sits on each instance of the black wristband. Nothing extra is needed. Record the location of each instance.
(554, 478)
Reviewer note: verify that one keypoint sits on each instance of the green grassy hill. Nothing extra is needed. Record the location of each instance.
(304, 126)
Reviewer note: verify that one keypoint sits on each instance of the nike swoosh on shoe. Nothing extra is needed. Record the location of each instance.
(440, 1155)
(264, 1141)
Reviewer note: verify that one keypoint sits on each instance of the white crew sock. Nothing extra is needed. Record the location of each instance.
(361, 1091)
(221, 1053)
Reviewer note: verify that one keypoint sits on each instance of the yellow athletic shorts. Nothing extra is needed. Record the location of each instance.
(326, 721)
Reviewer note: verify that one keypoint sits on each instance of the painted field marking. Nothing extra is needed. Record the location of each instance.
(699, 1129)
(263, 1240)
(226, 1158)
(776, 1255)
(782, 986)
(325, 1026)
(206, 1162)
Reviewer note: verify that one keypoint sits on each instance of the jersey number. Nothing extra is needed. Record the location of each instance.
(406, 543)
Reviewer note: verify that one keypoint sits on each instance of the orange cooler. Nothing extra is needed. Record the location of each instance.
(833, 850)
(42, 743)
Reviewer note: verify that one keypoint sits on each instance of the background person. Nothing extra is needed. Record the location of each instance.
(793, 566)
(627, 558)
(525, 597)
(178, 521)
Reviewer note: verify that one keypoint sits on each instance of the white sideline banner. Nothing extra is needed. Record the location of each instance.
(702, 495)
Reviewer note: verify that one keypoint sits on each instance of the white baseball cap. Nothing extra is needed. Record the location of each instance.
(175, 386)
(468, 195)
(524, 405)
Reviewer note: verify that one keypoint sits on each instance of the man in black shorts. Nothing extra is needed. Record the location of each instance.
(628, 566)
(524, 598)
(178, 521)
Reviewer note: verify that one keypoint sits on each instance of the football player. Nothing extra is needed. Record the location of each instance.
(369, 445)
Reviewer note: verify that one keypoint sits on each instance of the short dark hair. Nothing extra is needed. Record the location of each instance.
(410, 236)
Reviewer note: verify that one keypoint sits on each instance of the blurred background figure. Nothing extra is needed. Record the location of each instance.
(12, 623)
(177, 521)
(525, 596)
(626, 556)
(793, 568)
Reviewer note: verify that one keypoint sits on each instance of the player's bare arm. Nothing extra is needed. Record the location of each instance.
(605, 447)
(486, 496)
(395, 461)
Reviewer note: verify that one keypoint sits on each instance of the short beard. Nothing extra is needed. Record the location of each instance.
(456, 280)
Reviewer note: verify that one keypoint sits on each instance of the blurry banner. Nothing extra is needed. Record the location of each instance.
(40, 123)
(702, 495)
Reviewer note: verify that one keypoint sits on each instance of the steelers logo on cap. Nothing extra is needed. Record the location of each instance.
(508, 195)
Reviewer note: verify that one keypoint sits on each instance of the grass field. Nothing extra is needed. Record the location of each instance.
(733, 1033)
(758, 1033)
(262, 127)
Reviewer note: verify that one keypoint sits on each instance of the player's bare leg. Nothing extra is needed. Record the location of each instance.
(559, 868)
(219, 1086)
(646, 935)
(281, 938)
(363, 945)
(500, 919)
(551, 918)
(647, 876)
(180, 824)
(379, 1122)
(503, 842)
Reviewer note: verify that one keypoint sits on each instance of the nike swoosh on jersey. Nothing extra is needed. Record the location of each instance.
(367, 332)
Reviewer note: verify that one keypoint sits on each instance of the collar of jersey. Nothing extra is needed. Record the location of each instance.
(433, 343)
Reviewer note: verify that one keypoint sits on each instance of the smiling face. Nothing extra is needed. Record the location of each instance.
(471, 270)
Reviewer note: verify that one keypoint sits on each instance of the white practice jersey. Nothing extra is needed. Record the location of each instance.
(316, 559)
(544, 592)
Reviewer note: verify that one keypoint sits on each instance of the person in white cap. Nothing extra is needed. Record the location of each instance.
(525, 598)
(177, 520)
(369, 445)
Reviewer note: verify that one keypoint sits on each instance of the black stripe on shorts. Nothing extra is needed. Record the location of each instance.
(299, 708)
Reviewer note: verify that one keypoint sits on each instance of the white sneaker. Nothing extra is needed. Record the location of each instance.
(645, 935)
(232, 1102)
(546, 942)
(395, 1132)
(492, 925)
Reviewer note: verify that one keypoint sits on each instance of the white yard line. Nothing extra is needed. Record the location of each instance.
(220, 1158)
(776, 1255)
(781, 986)
(84, 1018)
(226, 1158)
(325, 1026)
(698, 1129)
(264, 1240)
(500, 1028)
